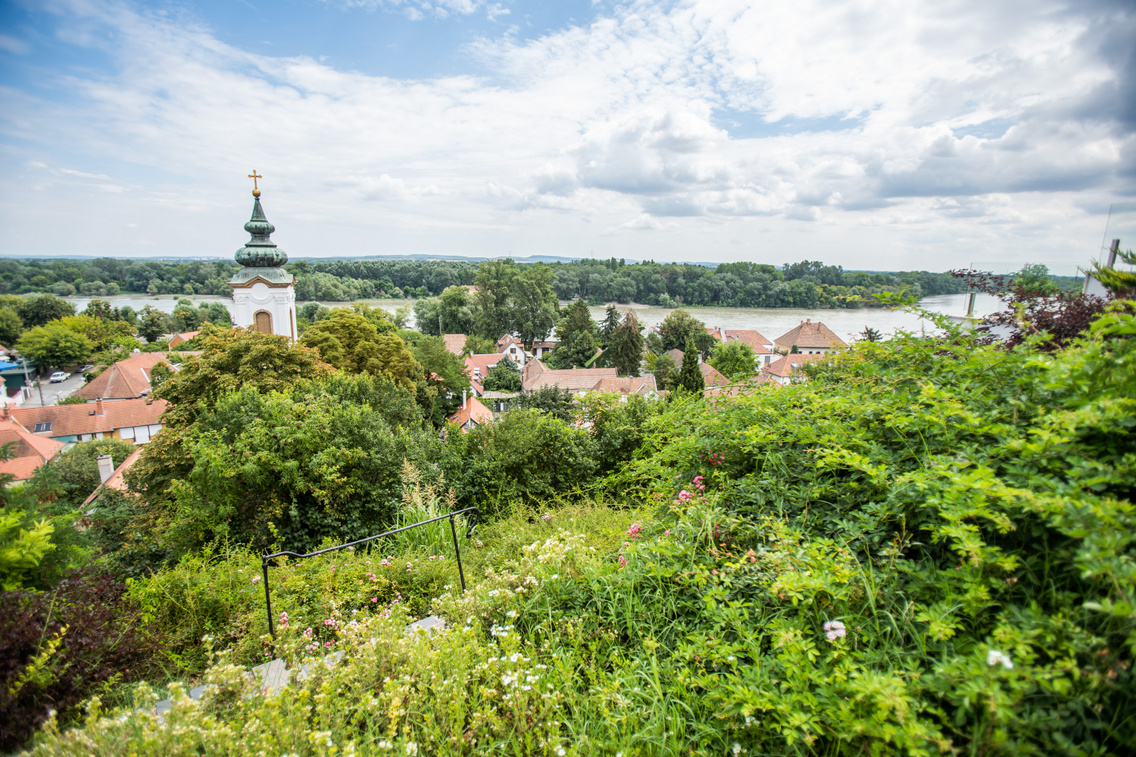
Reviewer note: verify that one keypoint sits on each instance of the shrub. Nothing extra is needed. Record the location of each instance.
(59, 648)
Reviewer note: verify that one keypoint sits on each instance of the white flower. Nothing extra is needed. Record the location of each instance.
(561, 752)
(834, 629)
(993, 657)
(411, 748)
(736, 748)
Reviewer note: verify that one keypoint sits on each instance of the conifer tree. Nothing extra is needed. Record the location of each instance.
(625, 350)
(689, 377)
(609, 325)
(577, 334)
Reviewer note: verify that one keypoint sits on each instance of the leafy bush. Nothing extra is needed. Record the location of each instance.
(58, 648)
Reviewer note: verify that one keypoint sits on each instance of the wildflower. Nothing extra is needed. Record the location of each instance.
(546, 517)
(736, 749)
(994, 657)
(256, 579)
(684, 495)
(834, 629)
(560, 752)
(698, 482)
(411, 748)
(384, 562)
(308, 632)
(667, 532)
(634, 530)
(622, 561)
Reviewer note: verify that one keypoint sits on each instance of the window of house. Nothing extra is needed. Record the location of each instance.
(41, 428)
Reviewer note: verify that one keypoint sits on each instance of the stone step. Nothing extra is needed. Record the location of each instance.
(274, 674)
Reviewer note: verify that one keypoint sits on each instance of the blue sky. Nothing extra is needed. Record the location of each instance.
(867, 133)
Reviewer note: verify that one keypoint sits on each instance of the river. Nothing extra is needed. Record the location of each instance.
(848, 324)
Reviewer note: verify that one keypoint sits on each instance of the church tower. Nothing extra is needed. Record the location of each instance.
(264, 294)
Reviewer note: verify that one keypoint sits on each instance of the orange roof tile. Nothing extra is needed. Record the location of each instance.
(71, 420)
(483, 363)
(455, 343)
(626, 385)
(472, 412)
(29, 451)
(126, 379)
(711, 376)
(786, 365)
(810, 335)
(116, 480)
(572, 379)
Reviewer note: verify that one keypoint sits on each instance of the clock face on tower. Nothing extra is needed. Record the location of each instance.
(260, 290)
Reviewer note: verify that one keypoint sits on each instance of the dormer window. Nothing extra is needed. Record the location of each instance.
(42, 428)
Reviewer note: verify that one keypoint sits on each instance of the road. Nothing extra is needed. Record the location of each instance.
(52, 393)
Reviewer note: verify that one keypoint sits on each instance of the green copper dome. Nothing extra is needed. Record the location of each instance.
(260, 251)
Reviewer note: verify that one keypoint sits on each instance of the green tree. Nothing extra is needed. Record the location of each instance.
(351, 343)
(689, 377)
(1120, 282)
(54, 345)
(870, 334)
(734, 360)
(493, 313)
(610, 323)
(625, 352)
(578, 337)
(154, 324)
(104, 334)
(503, 377)
(42, 309)
(10, 326)
(534, 304)
(70, 478)
(680, 327)
(100, 309)
(665, 372)
(1034, 281)
(443, 370)
(456, 308)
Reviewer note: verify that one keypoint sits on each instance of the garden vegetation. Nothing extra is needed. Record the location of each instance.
(928, 548)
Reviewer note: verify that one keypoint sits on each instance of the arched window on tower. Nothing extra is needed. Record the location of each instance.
(263, 321)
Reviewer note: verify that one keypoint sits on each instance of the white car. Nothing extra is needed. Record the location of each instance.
(59, 376)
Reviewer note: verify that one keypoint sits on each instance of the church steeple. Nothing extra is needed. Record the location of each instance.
(263, 292)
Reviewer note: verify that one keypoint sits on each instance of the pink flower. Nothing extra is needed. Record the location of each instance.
(622, 561)
(698, 482)
(255, 579)
(667, 532)
(634, 530)
(684, 495)
(374, 599)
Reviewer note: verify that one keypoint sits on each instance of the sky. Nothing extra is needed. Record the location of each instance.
(872, 134)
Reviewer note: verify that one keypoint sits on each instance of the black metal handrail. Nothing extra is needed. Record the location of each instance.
(266, 561)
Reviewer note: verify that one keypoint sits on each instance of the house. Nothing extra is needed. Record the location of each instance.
(478, 367)
(627, 385)
(512, 348)
(471, 414)
(810, 339)
(115, 480)
(183, 338)
(125, 380)
(27, 452)
(455, 343)
(783, 369)
(761, 345)
(711, 376)
(577, 380)
(543, 349)
(135, 420)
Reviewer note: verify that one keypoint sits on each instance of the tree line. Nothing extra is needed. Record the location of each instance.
(806, 284)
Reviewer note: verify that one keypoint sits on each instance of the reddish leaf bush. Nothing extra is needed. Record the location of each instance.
(102, 642)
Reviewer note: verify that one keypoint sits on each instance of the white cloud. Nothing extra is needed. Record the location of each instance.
(939, 122)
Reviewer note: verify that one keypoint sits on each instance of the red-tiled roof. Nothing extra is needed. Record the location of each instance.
(786, 365)
(472, 412)
(626, 385)
(126, 379)
(535, 376)
(455, 343)
(116, 480)
(29, 451)
(71, 420)
(810, 335)
(711, 376)
(755, 339)
(483, 363)
(507, 340)
(184, 337)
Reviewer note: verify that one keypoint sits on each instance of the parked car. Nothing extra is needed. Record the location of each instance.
(59, 376)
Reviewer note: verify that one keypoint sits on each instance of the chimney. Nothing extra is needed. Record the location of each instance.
(106, 467)
(463, 399)
(99, 406)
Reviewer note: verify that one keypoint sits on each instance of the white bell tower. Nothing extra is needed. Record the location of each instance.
(264, 294)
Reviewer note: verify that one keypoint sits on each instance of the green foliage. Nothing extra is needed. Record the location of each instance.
(534, 305)
(42, 310)
(493, 316)
(524, 456)
(578, 337)
(734, 360)
(689, 376)
(665, 372)
(1120, 282)
(10, 326)
(618, 425)
(153, 324)
(549, 400)
(69, 479)
(505, 376)
(74, 399)
(680, 328)
(104, 334)
(54, 345)
(443, 370)
(625, 350)
(350, 342)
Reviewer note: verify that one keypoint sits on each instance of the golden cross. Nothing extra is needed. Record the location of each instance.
(254, 176)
